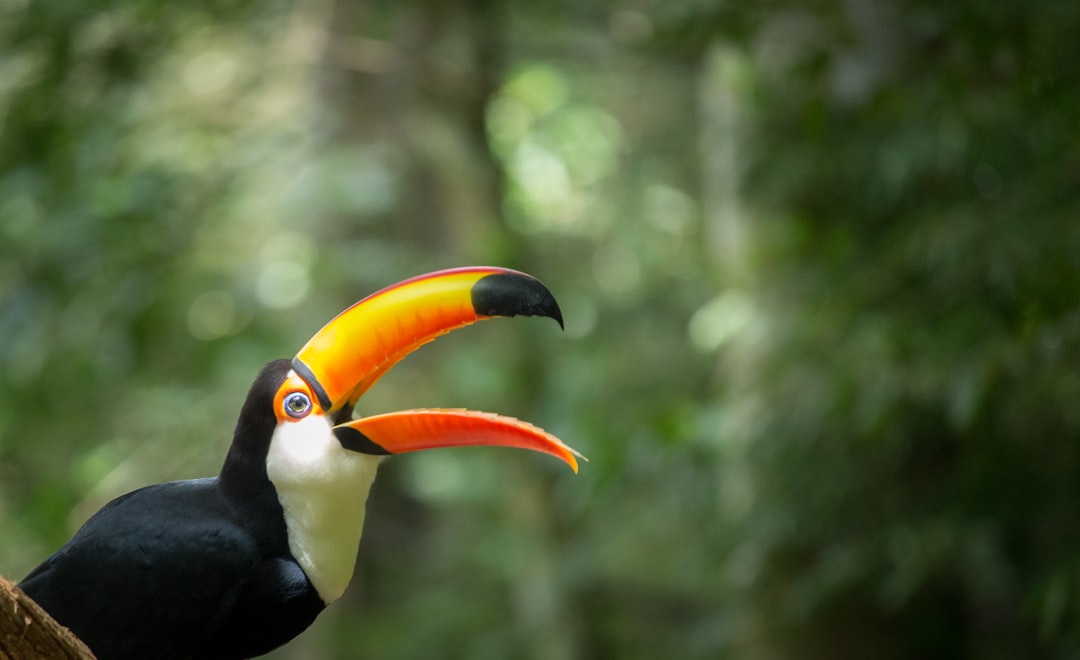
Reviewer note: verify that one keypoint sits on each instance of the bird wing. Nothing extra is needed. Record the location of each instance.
(151, 575)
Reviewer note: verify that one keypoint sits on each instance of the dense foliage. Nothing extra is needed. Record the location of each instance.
(819, 264)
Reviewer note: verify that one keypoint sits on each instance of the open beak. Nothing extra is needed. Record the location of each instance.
(362, 343)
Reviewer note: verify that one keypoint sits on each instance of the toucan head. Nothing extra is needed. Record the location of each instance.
(351, 352)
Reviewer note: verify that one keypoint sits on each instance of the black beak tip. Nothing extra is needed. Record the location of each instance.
(513, 294)
(557, 314)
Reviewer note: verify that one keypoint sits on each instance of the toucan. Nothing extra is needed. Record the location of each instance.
(236, 565)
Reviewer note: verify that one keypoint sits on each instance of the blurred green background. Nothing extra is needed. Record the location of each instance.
(819, 262)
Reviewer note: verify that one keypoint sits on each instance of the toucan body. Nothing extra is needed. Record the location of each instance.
(236, 565)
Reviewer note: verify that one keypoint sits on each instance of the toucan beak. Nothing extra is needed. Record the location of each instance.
(362, 343)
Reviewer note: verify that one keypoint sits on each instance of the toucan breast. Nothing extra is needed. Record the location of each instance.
(322, 488)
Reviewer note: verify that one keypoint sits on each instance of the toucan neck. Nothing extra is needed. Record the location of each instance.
(243, 479)
(244, 471)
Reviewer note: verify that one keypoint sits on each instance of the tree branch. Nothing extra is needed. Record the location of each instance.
(28, 632)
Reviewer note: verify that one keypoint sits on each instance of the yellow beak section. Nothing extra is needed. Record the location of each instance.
(355, 349)
(362, 343)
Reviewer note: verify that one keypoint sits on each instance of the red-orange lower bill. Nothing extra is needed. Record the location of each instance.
(431, 428)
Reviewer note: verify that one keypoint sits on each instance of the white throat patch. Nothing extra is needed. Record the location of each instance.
(323, 489)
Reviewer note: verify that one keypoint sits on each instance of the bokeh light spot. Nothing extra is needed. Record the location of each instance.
(211, 316)
(719, 320)
(282, 284)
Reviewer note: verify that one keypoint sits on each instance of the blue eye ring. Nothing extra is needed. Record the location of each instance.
(296, 405)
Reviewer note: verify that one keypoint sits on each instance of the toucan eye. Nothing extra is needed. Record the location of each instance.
(297, 404)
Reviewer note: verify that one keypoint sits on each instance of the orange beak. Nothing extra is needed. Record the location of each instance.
(362, 343)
